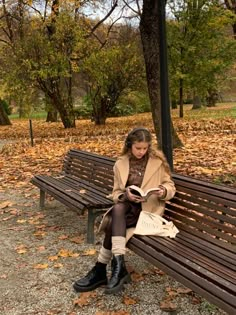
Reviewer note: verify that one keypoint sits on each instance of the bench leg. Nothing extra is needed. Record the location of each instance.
(42, 199)
(92, 214)
(90, 226)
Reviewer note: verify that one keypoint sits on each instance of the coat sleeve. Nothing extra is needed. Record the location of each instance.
(168, 183)
(117, 191)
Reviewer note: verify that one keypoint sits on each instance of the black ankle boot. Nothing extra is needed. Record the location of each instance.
(96, 277)
(119, 275)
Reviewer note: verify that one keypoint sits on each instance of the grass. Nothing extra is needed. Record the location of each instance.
(35, 115)
(222, 110)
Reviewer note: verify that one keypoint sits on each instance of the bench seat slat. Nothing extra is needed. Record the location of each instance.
(86, 200)
(201, 259)
(183, 274)
(220, 255)
(188, 268)
(171, 251)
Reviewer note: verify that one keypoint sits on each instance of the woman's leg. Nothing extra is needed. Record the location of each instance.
(118, 239)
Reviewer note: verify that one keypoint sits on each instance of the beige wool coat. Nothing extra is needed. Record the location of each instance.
(155, 175)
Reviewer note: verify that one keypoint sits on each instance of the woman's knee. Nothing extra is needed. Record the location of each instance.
(118, 210)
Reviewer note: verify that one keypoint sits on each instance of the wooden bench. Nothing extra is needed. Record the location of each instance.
(84, 183)
(201, 257)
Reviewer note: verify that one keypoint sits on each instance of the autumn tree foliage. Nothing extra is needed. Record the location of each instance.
(201, 51)
(114, 70)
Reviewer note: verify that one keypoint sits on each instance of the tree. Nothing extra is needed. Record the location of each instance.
(231, 5)
(149, 30)
(201, 52)
(4, 119)
(111, 71)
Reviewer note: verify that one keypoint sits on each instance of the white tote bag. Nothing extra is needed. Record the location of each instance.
(153, 224)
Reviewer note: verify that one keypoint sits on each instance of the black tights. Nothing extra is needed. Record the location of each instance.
(123, 215)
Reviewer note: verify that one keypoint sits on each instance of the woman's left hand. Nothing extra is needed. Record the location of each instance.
(160, 193)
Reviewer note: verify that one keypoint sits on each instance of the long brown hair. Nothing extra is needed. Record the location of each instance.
(142, 134)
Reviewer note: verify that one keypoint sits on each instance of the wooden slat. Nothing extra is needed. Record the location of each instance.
(184, 275)
(215, 253)
(200, 184)
(202, 259)
(219, 208)
(190, 220)
(203, 222)
(86, 200)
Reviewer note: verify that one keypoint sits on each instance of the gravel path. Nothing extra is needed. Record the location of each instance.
(43, 252)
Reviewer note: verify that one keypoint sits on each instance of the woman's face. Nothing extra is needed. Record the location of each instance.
(139, 149)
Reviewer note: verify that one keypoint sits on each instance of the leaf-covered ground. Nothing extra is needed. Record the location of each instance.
(209, 150)
(44, 250)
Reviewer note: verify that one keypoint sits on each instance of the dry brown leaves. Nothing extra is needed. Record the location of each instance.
(208, 153)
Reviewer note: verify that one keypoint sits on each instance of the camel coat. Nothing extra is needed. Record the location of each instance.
(155, 175)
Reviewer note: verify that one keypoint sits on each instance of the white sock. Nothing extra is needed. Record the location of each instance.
(118, 245)
(104, 255)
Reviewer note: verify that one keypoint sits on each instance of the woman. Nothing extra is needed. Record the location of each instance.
(146, 168)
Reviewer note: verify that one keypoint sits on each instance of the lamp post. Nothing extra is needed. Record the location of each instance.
(166, 135)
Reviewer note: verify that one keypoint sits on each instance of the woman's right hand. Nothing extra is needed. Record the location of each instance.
(133, 198)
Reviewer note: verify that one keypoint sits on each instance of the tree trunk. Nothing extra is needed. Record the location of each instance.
(100, 112)
(149, 31)
(4, 119)
(196, 102)
(66, 111)
(51, 116)
(174, 104)
(212, 98)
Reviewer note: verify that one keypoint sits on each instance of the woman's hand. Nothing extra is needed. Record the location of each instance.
(160, 193)
(132, 197)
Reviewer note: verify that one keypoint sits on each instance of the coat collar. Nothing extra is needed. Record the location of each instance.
(152, 165)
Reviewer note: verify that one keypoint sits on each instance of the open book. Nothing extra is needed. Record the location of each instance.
(135, 190)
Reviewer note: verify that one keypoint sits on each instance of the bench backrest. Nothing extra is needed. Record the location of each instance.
(202, 208)
(93, 168)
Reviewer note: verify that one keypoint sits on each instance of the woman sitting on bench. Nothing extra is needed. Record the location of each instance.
(146, 168)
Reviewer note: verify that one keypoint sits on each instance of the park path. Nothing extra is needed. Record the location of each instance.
(43, 252)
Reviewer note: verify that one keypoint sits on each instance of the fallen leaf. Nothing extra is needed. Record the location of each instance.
(21, 221)
(184, 291)
(136, 277)
(89, 252)
(39, 234)
(53, 258)
(84, 298)
(129, 301)
(5, 204)
(77, 239)
(63, 237)
(168, 306)
(58, 265)
(41, 248)
(41, 266)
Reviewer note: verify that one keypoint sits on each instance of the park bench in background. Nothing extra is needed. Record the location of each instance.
(202, 256)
